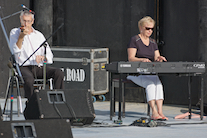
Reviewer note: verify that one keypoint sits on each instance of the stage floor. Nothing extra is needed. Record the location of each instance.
(103, 127)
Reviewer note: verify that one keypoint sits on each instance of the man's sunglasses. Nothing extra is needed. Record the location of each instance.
(147, 28)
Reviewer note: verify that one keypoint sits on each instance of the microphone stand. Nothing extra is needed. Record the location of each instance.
(45, 60)
(44, 68)
(17, 67)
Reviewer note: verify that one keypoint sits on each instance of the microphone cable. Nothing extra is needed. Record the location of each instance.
(56, 109)
(70, 109)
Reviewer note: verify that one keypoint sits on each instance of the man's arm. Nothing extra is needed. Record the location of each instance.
(23, 32)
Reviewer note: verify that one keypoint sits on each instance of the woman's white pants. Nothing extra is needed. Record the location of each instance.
(152, 85)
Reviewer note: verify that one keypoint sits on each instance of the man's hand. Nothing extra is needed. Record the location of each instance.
(39, 59)
(24, 31)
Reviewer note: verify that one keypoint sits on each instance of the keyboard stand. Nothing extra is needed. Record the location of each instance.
(189, 95)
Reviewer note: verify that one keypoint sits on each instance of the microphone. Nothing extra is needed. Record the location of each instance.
(24, 7)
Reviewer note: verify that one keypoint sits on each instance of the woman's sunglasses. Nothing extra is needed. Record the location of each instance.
(147, 28)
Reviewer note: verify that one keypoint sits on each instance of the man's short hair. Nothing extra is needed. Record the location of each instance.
(26, 12)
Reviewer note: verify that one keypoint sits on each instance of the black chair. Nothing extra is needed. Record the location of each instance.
(125, 84)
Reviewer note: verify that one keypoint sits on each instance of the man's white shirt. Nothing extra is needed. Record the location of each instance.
(30, 43)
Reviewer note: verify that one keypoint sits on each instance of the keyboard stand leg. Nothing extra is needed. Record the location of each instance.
(189, 95)
(201, 104)
(112, 103)
(120, 95)
(123, 99)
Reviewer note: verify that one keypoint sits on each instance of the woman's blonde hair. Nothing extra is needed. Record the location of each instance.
(146, 19)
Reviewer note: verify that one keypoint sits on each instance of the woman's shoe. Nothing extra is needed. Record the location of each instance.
(164, 118)
(156, 118)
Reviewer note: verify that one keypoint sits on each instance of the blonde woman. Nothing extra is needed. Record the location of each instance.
(142, 48)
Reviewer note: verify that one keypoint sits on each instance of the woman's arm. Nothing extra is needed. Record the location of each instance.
(132, 56)
(158, 57)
